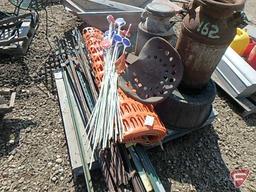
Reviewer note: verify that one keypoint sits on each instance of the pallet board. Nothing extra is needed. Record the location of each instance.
(69, 129)
(248, 104)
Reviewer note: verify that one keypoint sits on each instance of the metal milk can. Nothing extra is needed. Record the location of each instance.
(155, 22)
(207, 31)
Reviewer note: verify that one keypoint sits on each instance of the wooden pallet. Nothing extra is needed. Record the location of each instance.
(75, 158)
(247, 104)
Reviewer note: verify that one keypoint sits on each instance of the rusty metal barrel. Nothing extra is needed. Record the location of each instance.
(155, 23)
(207, 30)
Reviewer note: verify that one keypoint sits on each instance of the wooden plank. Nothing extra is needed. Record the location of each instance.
(12, 100)
(5, 91)
(80, 124)
(73, 150)
(4, 107)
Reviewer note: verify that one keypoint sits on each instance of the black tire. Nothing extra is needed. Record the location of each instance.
(186, 111)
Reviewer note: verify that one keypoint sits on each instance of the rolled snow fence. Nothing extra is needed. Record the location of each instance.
(142, 124)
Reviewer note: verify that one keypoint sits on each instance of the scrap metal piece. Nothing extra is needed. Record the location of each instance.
(150, 170)
(133, 174)
(86, 90)
(153, 76)
(238, 79)
(77, 86)
(4, 106)
(141, 171)
(113, 168)
(80, 53)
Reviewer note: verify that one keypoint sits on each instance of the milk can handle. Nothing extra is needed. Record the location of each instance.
(143, 16)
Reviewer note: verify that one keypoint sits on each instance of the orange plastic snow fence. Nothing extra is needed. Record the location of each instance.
(142, 124)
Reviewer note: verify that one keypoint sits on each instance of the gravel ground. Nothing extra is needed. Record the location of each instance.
(33, 150)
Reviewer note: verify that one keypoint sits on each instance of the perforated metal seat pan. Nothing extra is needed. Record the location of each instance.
(154, 74)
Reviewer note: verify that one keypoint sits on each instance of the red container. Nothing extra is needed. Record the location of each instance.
(249, 48)
(252, 58)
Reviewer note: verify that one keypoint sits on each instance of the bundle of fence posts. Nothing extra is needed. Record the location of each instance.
(123, 168)
(80, 91)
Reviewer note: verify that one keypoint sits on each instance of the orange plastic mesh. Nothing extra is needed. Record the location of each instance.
(133, 113)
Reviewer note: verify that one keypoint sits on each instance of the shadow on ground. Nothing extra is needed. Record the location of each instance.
(97, 180)
(10, 134)
(195, 160)
(17, 72)
(250, 120)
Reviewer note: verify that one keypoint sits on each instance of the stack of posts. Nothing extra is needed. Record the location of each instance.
(124, 168)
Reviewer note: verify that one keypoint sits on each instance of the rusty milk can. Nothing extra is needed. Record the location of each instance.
(207, 31)
(155, 23)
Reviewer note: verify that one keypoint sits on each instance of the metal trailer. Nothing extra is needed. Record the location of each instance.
(94, 10)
